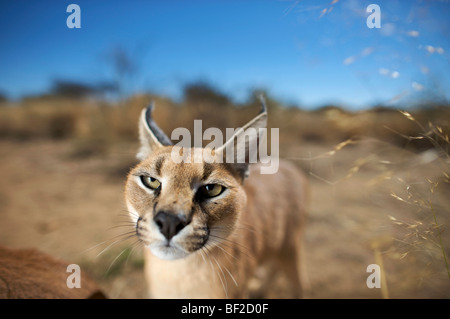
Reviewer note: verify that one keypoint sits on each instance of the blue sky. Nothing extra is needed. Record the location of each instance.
(308, 53)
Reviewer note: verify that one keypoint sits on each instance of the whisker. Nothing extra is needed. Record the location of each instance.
(127, 214)
(221, 248)
(117, 241)
(214, 273)
(202, 254)
(232, 244)
(218, 274)
(223, 229)
(133, 246)
(228, 271)
(244, 227)
(103, 242)
(115, 260)
(122, 225)
(224, 278)
(138, 244)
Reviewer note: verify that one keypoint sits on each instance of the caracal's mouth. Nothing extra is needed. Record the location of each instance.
(179, 246)
(170, 250)
(167, 250)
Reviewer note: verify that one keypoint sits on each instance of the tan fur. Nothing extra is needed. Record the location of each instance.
(257, 221)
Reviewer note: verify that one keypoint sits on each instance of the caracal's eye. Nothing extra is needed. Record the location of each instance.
(150, 182)
(211, 190)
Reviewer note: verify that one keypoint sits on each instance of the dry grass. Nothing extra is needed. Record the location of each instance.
(379, 179)
(425, 233)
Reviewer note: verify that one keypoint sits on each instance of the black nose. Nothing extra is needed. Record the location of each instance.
(170, 224)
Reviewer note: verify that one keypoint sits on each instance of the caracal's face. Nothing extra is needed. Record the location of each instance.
(179, 208)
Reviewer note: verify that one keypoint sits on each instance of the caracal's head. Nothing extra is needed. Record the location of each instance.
(179, 207)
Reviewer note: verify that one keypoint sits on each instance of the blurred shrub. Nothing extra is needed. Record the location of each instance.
(61, 125)
(94, 124)
(85, 148)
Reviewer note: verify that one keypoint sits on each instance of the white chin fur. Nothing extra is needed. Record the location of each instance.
(167, 253)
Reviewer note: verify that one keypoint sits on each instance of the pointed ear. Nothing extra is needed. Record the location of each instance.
(242, 148)
(150, 135)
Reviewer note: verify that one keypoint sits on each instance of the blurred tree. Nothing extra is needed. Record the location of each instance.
(72, 89)
(203, 92)
(124, 65)
(3, 97)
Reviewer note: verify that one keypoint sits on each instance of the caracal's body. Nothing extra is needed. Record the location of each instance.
(209, 229)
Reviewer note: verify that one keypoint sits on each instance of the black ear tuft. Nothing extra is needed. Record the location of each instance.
(263, 104)
(154, 128)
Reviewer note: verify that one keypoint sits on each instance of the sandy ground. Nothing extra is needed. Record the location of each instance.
(67, 206)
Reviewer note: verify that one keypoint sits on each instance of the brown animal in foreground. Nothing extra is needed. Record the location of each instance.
(209, 225)
(31, 274)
